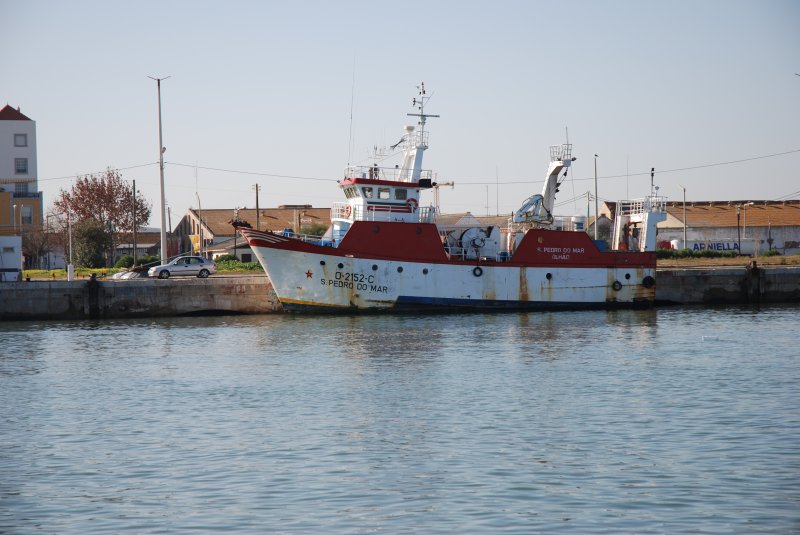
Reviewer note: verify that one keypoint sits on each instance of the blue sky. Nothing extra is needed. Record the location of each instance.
(265, 88)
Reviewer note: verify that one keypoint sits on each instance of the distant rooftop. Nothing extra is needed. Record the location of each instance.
(10, 114)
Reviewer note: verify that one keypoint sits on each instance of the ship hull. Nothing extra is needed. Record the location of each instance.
(325, 279)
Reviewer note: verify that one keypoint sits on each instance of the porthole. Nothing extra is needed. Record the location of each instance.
(341, 265)
(627, 276)
(425, 271)
(648, 282)
(374, 267)
(321, 262)
(549, 276)
(399, 269)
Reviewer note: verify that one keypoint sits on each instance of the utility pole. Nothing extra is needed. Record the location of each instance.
(70, 267)
(199, 226)
(258, 215)
(588, 210)
(738, 231)
(169, 223)
(685, 244)
(596, 201)
(161, 149)
(134, 223)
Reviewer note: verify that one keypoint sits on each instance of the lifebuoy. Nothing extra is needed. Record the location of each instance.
(478, 271)
(412, 204)
(348, 210)
(617, 286)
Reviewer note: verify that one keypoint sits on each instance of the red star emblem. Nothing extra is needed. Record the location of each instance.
(308, 274)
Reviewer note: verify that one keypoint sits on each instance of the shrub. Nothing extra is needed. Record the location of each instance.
(225, 258)
(148, 260)
(124, 262)
(771, 252)
(235, 265)
(669, 254)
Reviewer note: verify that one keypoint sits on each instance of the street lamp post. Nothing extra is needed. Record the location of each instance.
(161, 149)
(14, 219)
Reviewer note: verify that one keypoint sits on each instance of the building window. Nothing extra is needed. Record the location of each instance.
(20, 140)
(21, 189)
(21, 166)
(27, 215)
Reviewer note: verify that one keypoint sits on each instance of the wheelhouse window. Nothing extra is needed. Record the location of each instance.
(367, 191)
(20, 140)
(21, 166)
(401, 194)
(383, 193)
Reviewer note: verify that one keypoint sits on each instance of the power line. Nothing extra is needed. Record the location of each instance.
(645, 173)
(255, 173)
(96, 172)
(788, 196)
(465, 182)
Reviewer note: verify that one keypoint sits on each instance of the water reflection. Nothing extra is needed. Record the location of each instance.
(611, 420)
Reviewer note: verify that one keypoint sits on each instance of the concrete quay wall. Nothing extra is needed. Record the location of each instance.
(97, 299)
(737, 285)
(253, 294)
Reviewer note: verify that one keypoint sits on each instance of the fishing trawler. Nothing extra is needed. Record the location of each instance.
(385, 251)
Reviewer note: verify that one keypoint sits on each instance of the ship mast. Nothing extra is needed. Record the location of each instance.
(416, 144)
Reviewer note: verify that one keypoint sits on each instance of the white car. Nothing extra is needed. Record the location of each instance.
(184, 265)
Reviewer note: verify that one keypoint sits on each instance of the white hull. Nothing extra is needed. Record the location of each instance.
(305, 280)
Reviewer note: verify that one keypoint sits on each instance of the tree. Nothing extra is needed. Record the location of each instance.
(36, 243)
(90, 238)
(107, 199)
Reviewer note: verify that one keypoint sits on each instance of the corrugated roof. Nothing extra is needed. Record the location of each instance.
(10, 114)
(723, 213)
(218, 220)
(469, 219)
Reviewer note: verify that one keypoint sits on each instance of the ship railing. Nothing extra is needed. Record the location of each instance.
(374, 172)
(421, 214)
(561, 152)
(308, 238)
(455, 252)
(642, 206)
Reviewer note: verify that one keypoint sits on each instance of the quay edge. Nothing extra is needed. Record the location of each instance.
(253, 294)
(136, 298)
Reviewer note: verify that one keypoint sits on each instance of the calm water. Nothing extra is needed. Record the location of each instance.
(668, 421)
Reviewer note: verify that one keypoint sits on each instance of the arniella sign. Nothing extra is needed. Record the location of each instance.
(721, 246)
